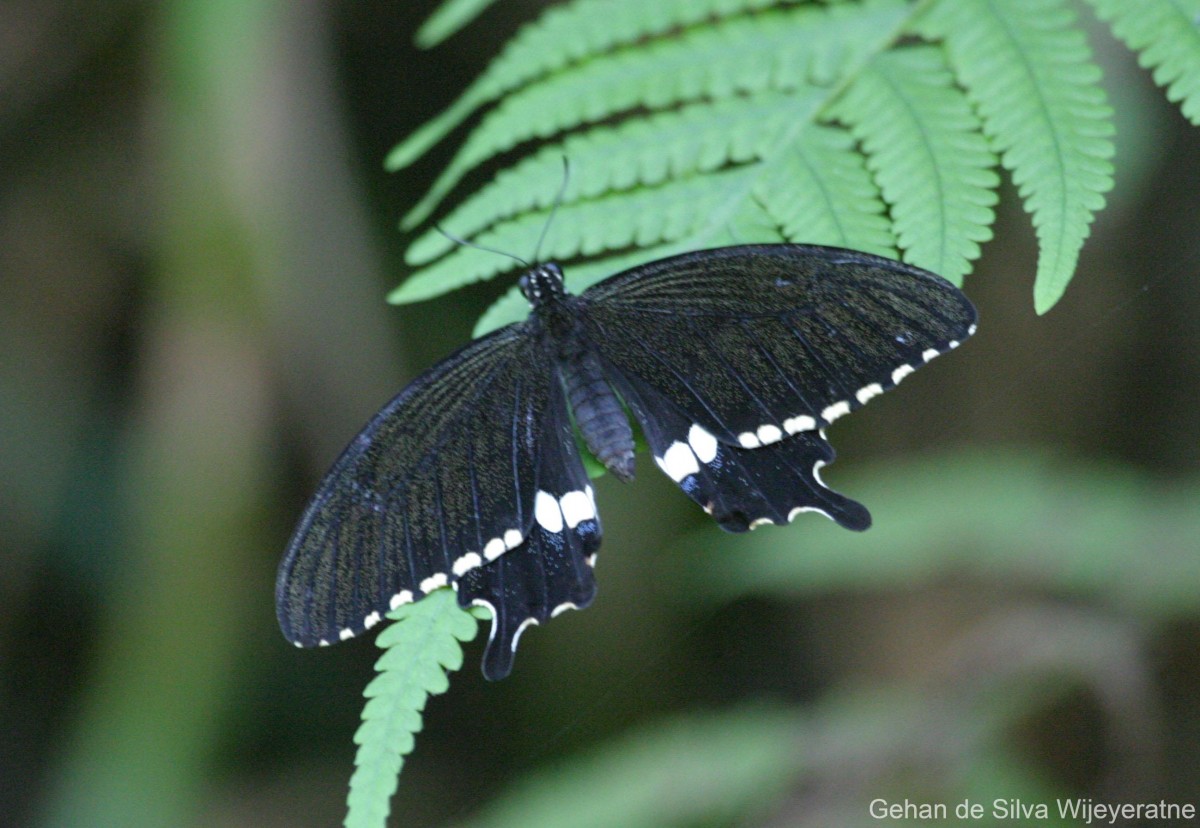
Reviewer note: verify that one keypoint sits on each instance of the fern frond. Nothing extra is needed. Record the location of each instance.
(448, 19)
(422, 646)
(1166, 36)
(668, 145)
(563, 36)
(1030, 73)
(819, 191)
(925, 148)
(779, 49)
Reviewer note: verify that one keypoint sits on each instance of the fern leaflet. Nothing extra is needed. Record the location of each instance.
(1166, 36)
(1029, 71)
(448, 19)
(564, 36)
(925, 148)
(774, 50)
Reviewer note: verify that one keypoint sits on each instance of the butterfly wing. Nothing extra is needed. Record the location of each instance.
(734, 360)
(551, 571)
(452, 475)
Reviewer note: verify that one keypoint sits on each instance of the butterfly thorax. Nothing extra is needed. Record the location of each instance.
(599, 415)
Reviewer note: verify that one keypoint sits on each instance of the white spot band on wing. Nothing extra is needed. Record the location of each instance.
(435, 581)
(576, 507)
(547, 513)
(703, 444)
(678, 462)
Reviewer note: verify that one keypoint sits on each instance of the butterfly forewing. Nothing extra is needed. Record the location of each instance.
(760, 341)
(441, 480)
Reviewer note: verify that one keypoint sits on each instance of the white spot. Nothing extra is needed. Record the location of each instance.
(768, 434)
(817, 466)
(749, 440)
(297, 643)
(400, 599)
(954, 343)
(479, 602)
(795, 425)
(930, 354)
(561, 608)
(576, 507)
(494, 549)
(901, 372)
(591, 560)
(322, 643)
(799, 509)
(971, 330)
(872, 390)
(512, 539)
(466, 562)
(834, 411)
(703, 444)
(517, 635)
(757, 522)
(433, 582)
(678, 462)
(372, 619)
(547, 513)
(346, 634)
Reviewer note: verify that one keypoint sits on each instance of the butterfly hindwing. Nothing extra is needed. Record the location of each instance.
(551, 570)
(440, 482)
(739, 487)
(760, 341)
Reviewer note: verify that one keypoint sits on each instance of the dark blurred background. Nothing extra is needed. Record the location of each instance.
(196, 236)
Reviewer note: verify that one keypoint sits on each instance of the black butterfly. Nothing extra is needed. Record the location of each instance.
(731, 360)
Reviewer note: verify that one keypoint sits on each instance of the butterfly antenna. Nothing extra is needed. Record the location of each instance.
(562, 189)
(484, 248)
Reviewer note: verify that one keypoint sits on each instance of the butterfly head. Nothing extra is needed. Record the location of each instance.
(542, 284)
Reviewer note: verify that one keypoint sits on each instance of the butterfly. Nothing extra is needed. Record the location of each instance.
(732, 361)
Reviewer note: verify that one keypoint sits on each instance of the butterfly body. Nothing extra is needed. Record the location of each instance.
(733, 361)
(555, 317)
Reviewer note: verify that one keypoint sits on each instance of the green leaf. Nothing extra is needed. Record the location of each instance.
(925, 147)
(1029, 71)
(638, 217)
(777, 49)
(564, 36)
(819, 191)
(422, 647)
(1166, 36)
(448, 19)
(669, 145)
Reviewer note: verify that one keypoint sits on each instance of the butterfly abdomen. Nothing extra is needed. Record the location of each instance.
(598, 413)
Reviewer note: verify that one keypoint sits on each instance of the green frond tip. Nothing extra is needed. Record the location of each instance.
(422, 646)
(448, 19)
(1166, 36)
(1027, 67)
